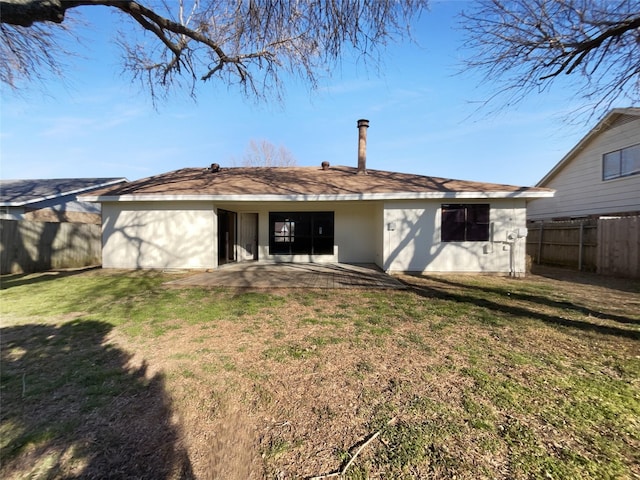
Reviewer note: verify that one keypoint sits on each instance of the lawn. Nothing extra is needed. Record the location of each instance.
(112, 375)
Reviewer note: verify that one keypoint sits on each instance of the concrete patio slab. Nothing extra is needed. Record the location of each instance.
(291, 275)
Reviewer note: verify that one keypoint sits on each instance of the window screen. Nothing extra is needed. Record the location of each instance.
(292, 233)
(465, 223)
(621, 163)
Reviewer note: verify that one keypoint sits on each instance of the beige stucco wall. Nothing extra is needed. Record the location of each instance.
(397, 236)
(158, 235)
(355, 229)
(412, 239)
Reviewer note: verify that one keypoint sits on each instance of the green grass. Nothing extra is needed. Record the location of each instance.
(483, 378)
(286, 352)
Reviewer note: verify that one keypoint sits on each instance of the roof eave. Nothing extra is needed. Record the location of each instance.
(63, 194)
(603, 123)
(320, 197)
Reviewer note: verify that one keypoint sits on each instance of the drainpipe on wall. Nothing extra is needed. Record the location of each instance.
(362, 146)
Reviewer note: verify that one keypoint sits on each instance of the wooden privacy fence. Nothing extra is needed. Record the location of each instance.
(609, 246)
(28, 246)
(620, 241)
(570, 244)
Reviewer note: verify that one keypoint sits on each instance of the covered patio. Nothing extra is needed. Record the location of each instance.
(291, 275)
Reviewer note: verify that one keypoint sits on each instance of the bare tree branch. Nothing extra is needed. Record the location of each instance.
(262, 153)
(250, 44)
(523, 46)
(26, 52)
(24, 13)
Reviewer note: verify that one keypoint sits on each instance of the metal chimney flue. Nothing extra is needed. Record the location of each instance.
(362, 146)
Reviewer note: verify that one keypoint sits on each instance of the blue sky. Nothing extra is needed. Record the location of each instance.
(423, 115)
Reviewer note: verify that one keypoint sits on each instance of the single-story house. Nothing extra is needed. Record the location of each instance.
(600, 176)
(202, 218)
(52, 200)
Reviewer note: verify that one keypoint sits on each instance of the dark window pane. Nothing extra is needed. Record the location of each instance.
(323, 245)
(611, 165)
(301, 233)
(461, 222)
(477, 233)
(478, 213)
(323, 225)
(303, 224)
(302, 245)
(630, 160)
(453, 220)
(477, 223)
(621, 163)
(280, 248)
(284, 231)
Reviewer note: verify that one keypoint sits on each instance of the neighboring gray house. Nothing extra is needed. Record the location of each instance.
(52, 200)
(599, 177)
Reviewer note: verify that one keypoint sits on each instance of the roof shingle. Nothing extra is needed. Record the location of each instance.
(23, 192)
(294, 181)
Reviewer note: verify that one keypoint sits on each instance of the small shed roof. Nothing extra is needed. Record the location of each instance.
(303, 183)
(17, 193)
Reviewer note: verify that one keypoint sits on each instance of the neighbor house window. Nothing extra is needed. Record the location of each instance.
(465, 222)
(294, 233)
(621, 163)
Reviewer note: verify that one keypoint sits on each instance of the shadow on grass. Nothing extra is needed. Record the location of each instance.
(543, 300)
(73, 408)
(462, 295)
(631, 285)
(19, 279)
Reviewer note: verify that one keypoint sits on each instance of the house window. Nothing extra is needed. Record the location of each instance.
(294, 233)
(284, 231)
(621, 163)
(465, 222)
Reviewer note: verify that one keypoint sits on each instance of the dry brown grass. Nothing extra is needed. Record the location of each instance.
(484, 377)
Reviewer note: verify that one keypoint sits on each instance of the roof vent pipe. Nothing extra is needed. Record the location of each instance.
(362, 146)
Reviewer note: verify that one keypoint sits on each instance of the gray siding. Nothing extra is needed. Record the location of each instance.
(580, 190)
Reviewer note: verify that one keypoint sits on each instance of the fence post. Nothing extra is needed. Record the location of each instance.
(581, 244)
(539, 259)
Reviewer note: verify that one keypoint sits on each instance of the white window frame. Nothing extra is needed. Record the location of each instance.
(626, 162)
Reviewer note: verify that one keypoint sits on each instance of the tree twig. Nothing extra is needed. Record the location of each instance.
(355, 455)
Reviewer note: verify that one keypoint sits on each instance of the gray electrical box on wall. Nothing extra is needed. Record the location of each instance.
(391, 226)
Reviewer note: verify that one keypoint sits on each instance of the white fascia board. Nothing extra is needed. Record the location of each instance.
(315, 198)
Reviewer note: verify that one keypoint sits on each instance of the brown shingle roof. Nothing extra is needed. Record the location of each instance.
(299, 181)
